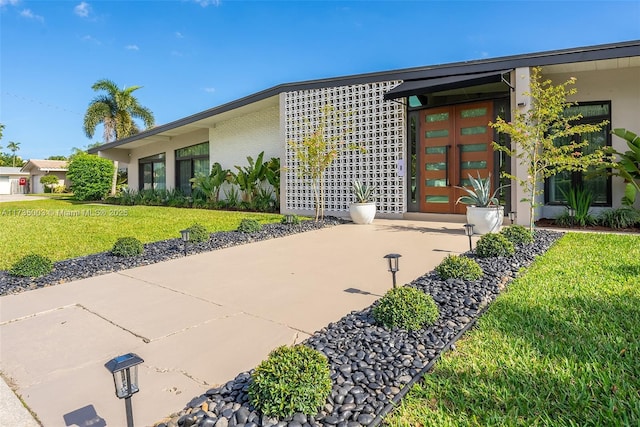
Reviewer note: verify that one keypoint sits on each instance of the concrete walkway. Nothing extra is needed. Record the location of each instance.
(200, 320)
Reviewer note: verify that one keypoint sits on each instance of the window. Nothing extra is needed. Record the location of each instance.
(598, 184)
(152, 173)
(191, 161)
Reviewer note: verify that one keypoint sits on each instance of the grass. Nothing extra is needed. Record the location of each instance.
(62, 229)
(560, 348)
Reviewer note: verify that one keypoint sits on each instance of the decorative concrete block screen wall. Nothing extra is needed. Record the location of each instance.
(376, 124)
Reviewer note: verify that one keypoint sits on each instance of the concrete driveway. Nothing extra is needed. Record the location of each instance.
(200, 320)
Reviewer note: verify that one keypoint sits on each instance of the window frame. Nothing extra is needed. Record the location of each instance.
(577, 177)
(154, 159)
(191, 159)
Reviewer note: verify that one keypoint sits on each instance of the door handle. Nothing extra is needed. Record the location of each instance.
(459, 147)
(446, 163)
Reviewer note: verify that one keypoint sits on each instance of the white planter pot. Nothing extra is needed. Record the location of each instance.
(485, 220)
(362, 213)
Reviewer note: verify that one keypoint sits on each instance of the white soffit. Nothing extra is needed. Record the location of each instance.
(604, 64)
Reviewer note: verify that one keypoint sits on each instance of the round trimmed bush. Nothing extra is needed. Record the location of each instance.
(494, 245)
(292, 379)
(517, 234)
(198, 233)
(407, 308)
(32, 265)
(127, 247)
(249, 225)
(459, 267)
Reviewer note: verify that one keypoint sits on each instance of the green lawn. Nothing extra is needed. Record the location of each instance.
(560, 348)
(62, 229)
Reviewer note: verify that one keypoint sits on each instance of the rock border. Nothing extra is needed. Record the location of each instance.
(104, 262)
(373, 367)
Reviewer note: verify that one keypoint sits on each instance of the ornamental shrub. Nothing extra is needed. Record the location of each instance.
(292, 379)
(494, 245)
(517, 234)
(407, 308)
(459, 267)
(127, 247)
(48, 182)
(198, 233)
(295, 220)
(32, 265)
(249, 225)
(90, 177)
(624, 217)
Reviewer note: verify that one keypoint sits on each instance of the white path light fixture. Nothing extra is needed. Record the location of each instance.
(512, 216)
(125, 379)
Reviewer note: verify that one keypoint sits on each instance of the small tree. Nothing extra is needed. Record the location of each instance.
(13, 146)
(541, 137)
(49, 181)
(90, 176)
(320, 146)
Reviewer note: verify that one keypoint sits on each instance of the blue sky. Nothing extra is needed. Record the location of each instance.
(191, 55)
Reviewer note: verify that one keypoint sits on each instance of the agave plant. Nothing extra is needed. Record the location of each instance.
(480, 195)
(362, 192)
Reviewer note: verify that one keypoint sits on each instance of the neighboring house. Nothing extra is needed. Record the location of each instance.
(39, 168)
(424, 130)
(10, 182)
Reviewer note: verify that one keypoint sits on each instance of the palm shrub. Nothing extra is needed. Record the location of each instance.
(249, 225)
(209, 185)
(517, 234)
(292, 379)
(459, 267)
(249, 177)
(127, 247)
(198, 233)
(494, 245)
(407, 308)
(31, 265)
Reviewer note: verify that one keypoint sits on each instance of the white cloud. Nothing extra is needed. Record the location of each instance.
(82, 10)
(9, 2)
(205, 3)
(89, 38)
(179, 35)
(209, 89)
(132, 47)
(27, 13)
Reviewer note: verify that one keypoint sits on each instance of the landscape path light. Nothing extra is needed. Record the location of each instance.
(512, 216)
(185, 238)
(125, 379)
(468, 230)
(572, 214)
(393, 260)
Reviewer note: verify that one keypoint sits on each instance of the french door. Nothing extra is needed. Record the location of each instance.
(455, 141)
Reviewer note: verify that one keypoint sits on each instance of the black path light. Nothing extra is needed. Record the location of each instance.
(572, 214)
(125, 378)
(468, 231)
(185, 239)
(393, 265)
(512, 216)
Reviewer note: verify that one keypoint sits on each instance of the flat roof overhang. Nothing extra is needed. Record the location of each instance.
(440, 84)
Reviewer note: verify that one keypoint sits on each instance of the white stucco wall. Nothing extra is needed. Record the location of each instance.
(622, 88)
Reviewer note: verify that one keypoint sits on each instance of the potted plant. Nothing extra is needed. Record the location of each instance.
(364, 209)
(484, 210)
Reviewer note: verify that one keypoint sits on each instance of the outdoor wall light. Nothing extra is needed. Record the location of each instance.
(512, 216)
(468, 231)
(125, 379)
(393, 260)
(185, 239)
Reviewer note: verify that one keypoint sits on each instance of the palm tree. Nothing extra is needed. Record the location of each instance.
(13, 146)
(115, 110)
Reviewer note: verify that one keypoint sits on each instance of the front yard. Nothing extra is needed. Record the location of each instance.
(62, 229)
(560, 348)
